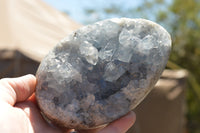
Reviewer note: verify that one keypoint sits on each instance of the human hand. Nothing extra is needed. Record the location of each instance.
(19, 112)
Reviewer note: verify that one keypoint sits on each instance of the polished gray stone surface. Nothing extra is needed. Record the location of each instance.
(101, 71)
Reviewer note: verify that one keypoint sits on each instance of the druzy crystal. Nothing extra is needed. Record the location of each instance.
(102, 71)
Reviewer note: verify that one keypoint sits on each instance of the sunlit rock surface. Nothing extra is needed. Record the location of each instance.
(101, 72)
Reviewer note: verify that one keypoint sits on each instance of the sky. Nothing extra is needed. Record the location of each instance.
(75, 8)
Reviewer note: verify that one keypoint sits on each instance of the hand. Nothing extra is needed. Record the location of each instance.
(19, 112)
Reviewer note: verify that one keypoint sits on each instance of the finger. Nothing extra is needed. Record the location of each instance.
(95, 130)
(32, 98)
(121, 125)
(17, 89)
(37, 123)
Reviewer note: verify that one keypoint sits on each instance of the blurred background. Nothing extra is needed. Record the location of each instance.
(29, 29)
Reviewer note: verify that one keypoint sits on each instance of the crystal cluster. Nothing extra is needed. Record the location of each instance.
(101, 72)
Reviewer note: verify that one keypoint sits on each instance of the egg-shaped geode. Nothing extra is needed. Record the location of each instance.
(102, 71)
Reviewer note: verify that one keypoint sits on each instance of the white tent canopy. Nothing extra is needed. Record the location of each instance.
(32, 27)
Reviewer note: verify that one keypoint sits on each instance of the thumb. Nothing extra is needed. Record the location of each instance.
(14, 90)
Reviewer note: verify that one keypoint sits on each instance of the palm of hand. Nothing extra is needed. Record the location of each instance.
(19, 112)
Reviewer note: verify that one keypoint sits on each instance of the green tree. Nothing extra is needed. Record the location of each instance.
(186, 53)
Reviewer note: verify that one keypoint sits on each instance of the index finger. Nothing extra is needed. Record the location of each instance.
(14, 90)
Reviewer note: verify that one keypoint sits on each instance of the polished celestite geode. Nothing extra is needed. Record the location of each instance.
(101, 72)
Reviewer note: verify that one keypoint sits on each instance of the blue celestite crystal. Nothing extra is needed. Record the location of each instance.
(101, 72)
